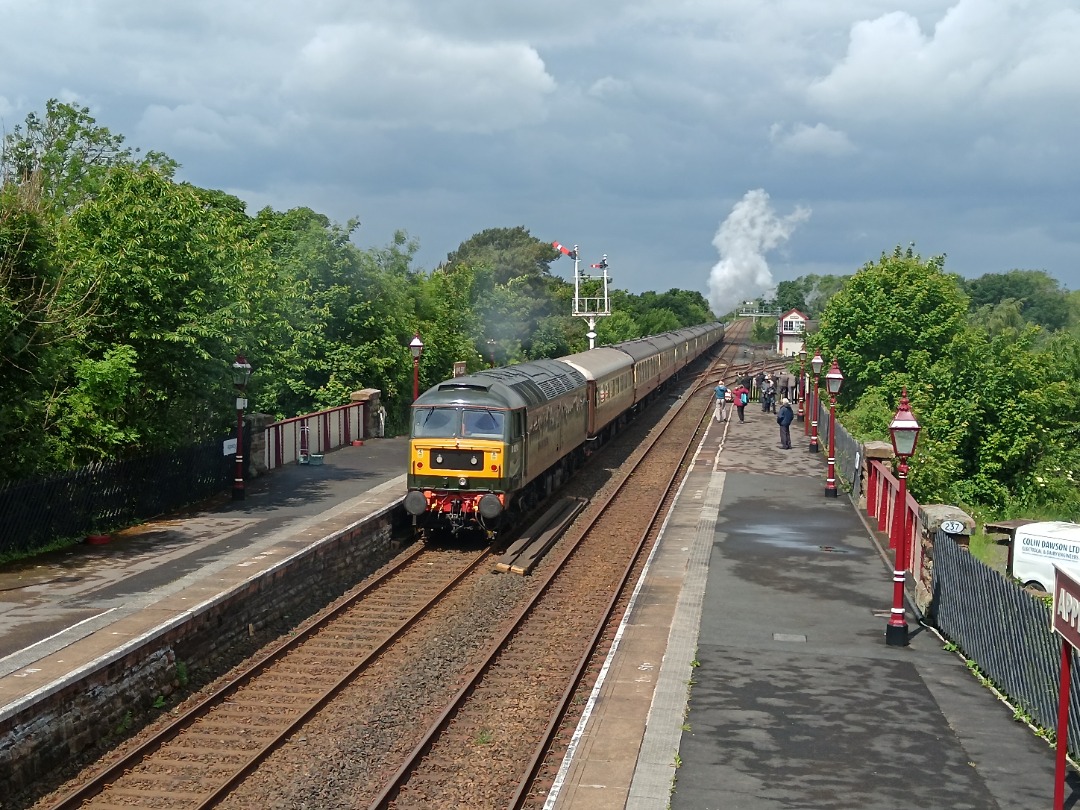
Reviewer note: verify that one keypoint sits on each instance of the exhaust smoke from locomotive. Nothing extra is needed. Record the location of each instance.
(751, 230)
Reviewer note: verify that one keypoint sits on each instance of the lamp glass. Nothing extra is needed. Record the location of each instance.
(241, 371)
(817, 363)
(834, 379)
(904, 432)
(903, 441)
(416, 346)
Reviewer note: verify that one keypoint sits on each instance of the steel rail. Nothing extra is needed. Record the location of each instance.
(101, 780)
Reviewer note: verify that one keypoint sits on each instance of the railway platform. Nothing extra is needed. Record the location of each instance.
(751, 670)
(62, 613)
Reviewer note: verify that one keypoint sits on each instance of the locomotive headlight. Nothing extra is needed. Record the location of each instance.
(463, 482)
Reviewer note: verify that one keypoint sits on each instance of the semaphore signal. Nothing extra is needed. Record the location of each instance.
(591, 299)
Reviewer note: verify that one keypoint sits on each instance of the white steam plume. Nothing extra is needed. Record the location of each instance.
(751, 229)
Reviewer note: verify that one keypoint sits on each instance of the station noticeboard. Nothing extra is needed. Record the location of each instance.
(1064, 619)
(459, 368)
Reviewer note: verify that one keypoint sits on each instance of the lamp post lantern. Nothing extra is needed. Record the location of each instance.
(816, 365)
(491, 350)
(416, 346)
(241, 373)
(833, 380)
(904, 432)
(800, 392)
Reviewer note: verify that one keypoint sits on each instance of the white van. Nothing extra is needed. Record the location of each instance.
(1038, 547)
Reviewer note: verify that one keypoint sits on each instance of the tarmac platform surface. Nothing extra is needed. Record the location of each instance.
(750, 671)
(61, 611)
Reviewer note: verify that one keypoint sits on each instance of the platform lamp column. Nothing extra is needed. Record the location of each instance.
(904, 432)
(241, 373)
(800, 392)
(833, 380)
(816, 365)
(416, 346)
(491, 351)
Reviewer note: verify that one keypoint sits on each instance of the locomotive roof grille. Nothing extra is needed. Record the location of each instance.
(559, 385)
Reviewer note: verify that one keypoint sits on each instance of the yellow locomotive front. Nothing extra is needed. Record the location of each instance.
(461, 466)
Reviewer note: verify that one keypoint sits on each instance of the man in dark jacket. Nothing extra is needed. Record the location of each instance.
(784, 419)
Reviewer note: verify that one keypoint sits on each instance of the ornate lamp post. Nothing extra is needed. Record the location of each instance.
(833, 380)
(815, 364)
(904, 432)
(416, 346)
(491, 350)
(241, 373)
(800, 391)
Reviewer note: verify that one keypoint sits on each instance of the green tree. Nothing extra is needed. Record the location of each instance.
(41, 321)
(166, 273)
(818, 291)
(999, 406)
(510, 253)
(789, 296)
(514, 292)
(657, 320)
(68, 155)
(618, 327)
(764, 331)
(890, 314)
(1040, 297)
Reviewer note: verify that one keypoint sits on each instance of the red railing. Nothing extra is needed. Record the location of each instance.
(882, 490)
(291, 440)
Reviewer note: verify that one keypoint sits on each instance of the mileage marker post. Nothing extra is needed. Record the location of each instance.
(1064, 620)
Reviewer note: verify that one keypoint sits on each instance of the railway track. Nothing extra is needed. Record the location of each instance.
(204, 753)
(487, 747)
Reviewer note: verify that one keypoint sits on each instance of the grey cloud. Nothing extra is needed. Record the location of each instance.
(624, 126)
(383, 77)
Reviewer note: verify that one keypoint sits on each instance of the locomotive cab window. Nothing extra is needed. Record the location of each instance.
(455, 423)
(484, 424)
(435, 423)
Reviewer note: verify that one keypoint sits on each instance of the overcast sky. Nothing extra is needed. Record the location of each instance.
(716, 145)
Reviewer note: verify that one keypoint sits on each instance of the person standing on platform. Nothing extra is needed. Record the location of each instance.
(742, 396)
(784, 419)
(723, 402)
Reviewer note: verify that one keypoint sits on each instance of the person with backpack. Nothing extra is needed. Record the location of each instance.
(741, 396)
(723, 402)
(784, 418)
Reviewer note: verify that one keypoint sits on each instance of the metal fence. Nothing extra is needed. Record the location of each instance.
(1005, 631)
(848, 449)
(101, 497)
(300, 437)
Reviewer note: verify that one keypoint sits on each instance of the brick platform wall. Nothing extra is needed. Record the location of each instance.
(117, 695)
